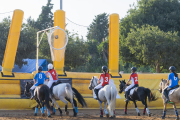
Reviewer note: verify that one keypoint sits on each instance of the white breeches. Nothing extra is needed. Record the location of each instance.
(129, 87)
(33, 87)
(98, 86)
(51, 82)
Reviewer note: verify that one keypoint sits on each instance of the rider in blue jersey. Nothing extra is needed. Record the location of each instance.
(39, 77)
(173, 78)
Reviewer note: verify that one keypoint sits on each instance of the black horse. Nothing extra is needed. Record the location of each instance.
(140, 94)
(42, 96)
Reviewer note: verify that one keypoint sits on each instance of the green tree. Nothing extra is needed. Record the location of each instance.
(26, 44)
(149, 45)
(99, 28)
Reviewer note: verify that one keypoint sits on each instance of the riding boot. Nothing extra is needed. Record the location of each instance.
(51, 91)
(32, 94)
(127, 96)
(166, 95)
(96, 92)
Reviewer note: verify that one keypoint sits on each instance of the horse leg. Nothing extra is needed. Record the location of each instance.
(54, 101)
(164, 110)
(144, 111)
(147, 110)
(105, 110)
(75, 114)
(42, 108)
(136, 108)
(101, 110)
(177, 117)
(66, 103)
(125, 110)
(36, 109)
(75, 104)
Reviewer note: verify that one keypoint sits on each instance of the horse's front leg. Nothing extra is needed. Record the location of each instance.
(36, 110)
(105, 110)
(136, 108)
(125, 110)
(177, 117)
(164, 110)
(54, 101)
(101, 110)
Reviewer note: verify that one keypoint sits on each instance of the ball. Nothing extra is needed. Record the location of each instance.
(56, 36)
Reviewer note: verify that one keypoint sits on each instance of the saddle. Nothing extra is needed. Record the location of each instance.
(55, 83)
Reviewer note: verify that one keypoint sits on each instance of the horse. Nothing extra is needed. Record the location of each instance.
(174, 98)
(42, 97)
(64, 91)
(140, 94)
(106, 94)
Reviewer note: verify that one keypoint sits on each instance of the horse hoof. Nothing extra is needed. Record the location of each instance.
(143, 113)
(138, 114)
(35, 114)
(112, 117)
(49, 116)
(101, 116)
(177, 118)
(163, 117)
(125, 112)
(60, 114)
(74, 115)
(107, 115)
(149, 115)
(67, 112)
(43, 115)
(53, 113)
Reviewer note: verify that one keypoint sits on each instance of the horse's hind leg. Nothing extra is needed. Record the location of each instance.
(75, 104)
(75, 114)
(177, 117)
(136, 108)
(147, 110)
(144, 111)
(106, 112)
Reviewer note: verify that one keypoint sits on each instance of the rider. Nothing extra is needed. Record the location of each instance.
(173, 78)
(134, 79)
(103, 80)
(39, 77)
(53, 76)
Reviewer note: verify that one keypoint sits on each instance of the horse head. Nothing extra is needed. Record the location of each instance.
(93, 83)
(122, 86)
(162, 85)
(27, 89)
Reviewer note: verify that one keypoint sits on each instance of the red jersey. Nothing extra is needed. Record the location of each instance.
(134, 78)
(52, 74)
(105, 79)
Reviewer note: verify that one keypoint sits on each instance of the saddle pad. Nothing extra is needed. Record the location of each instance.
(111, 82)
(171, 91)
(132, 90)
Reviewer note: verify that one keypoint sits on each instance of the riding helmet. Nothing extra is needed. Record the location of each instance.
(134, 69)
(172, 68)
(40, 68)
(50, 66)
(104, 68)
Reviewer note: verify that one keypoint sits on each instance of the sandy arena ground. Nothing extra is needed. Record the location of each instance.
(86, 114)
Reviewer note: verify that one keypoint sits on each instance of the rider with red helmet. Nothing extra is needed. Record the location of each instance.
(104, 80)
(134, 79)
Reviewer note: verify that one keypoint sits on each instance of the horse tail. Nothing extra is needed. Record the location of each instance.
(112, 104)
(69, 91)
(46, 92)
(79, 97)
(151, 96)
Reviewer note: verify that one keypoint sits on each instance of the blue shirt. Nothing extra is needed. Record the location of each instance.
(40, 77)
(173, 80)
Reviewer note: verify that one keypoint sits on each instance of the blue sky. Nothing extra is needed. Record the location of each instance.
(81, 12)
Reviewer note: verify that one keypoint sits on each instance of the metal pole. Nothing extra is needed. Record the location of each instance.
(60, 4)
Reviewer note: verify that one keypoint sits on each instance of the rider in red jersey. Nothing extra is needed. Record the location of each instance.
(104, 80)
(134, 79)
(53, 76)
